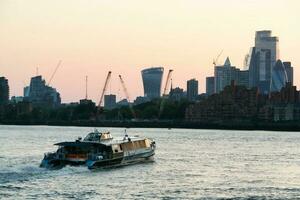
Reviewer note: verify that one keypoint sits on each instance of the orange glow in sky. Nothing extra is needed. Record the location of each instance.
(93, 37)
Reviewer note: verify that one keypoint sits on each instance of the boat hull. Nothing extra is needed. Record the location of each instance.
(56, 163)
(121, 161)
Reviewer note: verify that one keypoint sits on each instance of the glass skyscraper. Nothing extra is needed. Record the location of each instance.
(279, 77)
(227, 73)
(289, 72)
(152, 79)
(262, 60)
(267, 46)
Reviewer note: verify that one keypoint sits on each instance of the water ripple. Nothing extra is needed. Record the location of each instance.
(189, 164)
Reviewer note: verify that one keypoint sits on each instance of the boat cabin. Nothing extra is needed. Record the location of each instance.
(97, 136)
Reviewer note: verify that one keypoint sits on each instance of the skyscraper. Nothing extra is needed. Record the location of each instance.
(152, 79)
(4, 90)
(253, 66)
(242, 77)
(262, 60)
(266, 43)
(279, 77)
(226, 73)
(26, 91)
(192, 90)
(210, 85)
(289, 72)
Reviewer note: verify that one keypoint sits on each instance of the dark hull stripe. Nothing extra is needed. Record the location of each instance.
(121, 161)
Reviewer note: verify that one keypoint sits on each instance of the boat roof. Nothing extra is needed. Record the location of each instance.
(107, 142)
(120, 140)
(79, 144)
(101, 139)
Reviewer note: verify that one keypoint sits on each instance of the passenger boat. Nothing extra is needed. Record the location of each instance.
(100, 150)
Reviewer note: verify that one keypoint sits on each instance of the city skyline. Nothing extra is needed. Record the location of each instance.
(187, 41)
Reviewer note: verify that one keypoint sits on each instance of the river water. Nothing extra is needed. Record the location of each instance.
(189, 164)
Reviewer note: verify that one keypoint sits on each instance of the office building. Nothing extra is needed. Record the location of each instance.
(226, 73)
(289, 72)
(242, 77)
(192, 90)
(110, 101)
(263, 57)
(253, 66)
(210, 85)
(41, 94)
(152, 80)
(26, 91)
(4, 91)
(279, 77)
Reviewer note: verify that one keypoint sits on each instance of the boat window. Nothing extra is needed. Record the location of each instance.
(116, 150)
(95, 136)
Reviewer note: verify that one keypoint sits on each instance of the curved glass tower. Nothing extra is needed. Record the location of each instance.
(152, 78)
(279, 76)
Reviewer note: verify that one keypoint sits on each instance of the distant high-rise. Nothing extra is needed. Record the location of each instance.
(289, 72)
(152, 79)
(42, 95)
(26, 91)
(110, 101)
(266, 43)
(242, 77)
(263, 58)
(192, 90)
(279, 77)
(226, 73)
(253, 68)
(210, 85)
(4, 90)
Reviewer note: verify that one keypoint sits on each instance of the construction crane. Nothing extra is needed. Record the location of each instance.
(215, 61)
(104, 89)
(57, 66)
(127, 95)
(164, 96)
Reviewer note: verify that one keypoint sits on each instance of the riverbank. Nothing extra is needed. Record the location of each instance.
(221, 125)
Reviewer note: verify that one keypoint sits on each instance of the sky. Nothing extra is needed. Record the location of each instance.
(125, 36)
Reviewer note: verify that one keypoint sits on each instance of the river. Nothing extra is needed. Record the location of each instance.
(189, 164)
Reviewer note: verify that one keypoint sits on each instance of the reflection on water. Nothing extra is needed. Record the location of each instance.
(189, 164)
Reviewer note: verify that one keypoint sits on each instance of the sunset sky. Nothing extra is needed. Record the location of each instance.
(92, 37)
